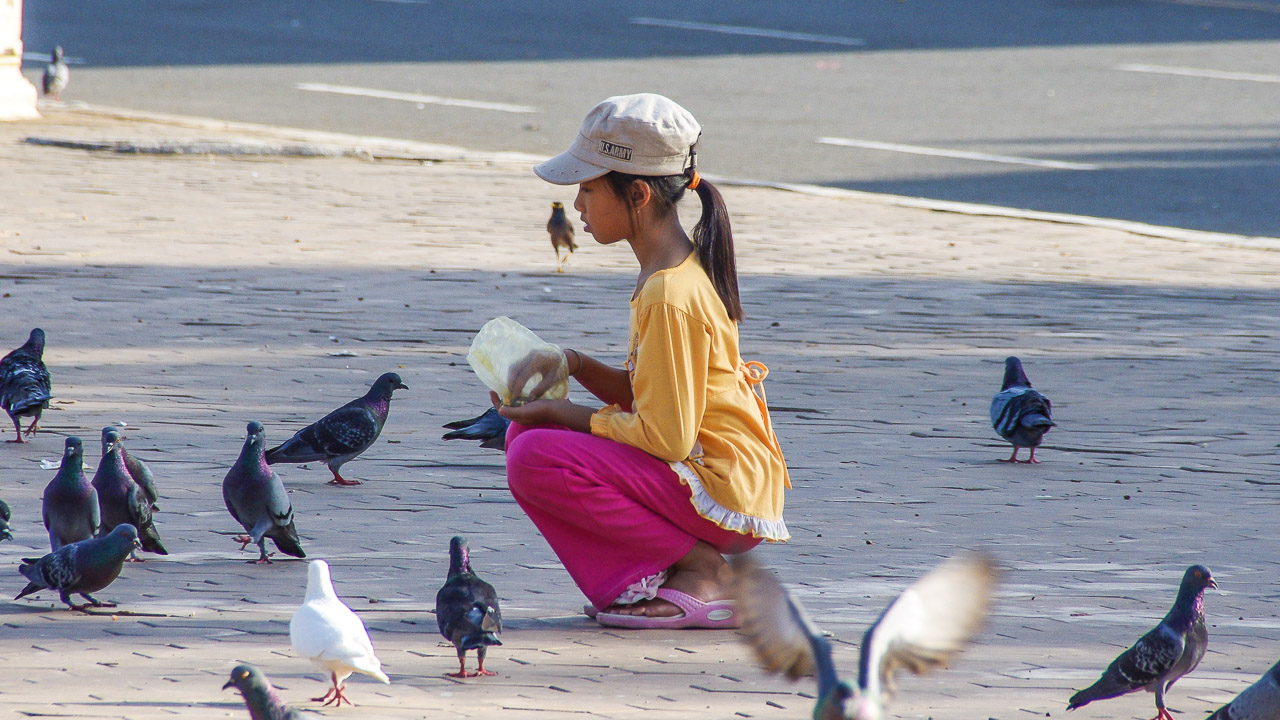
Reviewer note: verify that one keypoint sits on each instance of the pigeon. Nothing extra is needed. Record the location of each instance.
(1162, 656)
(24, 384)
(56, 75)
(342, 434)
(256, 498)
(490, 428)
(467, 610)
(1259, 701)
(120, 500)
(70, 509)
(920, 630)
(138, 470)
(81, 567)
(1019, 413)
(561, 231)
(260, 697)
(326, 632)
(5, 515)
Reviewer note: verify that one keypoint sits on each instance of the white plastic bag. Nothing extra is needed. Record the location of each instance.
(517, 364)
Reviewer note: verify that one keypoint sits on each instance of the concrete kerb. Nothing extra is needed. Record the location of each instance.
(373, 147)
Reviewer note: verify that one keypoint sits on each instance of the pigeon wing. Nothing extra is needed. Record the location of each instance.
(777, 628)
(1259, 701)
(929, 623)
(1147, 661)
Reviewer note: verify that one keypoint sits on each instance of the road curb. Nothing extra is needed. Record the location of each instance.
(391, 147)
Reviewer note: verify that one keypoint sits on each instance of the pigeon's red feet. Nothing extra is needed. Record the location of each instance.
(18, 440)
(339, 480)
(336, 695)
(244, 540)
(1012, 458)
(1033, 460)
(260, 561)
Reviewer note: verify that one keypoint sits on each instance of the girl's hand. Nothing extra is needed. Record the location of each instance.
(546, 412)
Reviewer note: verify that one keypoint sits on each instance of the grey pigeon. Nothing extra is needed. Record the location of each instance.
(561, 231)
(1162, 656)
(467, 610)
(259, 695)
(70, 509)
(5, 515)
(120, 499)
(1019, 413)
(922, 629)
(56, 75)
(138, 470)
(83, 567)
(490, 428)
(1259, 701)
(24, 384)
(257, 500)
(342, 434)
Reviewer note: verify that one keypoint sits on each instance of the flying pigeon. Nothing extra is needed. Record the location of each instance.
(344, 433)
(5, 515)
(920, 630)
(467, 610)
(1259, 701)
(326, 632)
(138, 470)
(1019, 413)
(24, 384)
(260, 697)
(490, 428)
(120, 499)
(1162, 656)
(82, 567)
(56, 75)
(70, 509)
(561, 231)
(257, 500)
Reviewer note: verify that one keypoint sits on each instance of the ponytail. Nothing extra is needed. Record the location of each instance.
(712, 235)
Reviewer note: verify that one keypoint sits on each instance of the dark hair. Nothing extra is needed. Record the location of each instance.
(712, 235)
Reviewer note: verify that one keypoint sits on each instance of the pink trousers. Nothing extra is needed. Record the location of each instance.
(612, 513)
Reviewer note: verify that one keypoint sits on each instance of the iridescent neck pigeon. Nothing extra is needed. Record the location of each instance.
(120, 499)
(70, 509)
(1259, 701)
(344, 433)
(326, 632)
(259, 695)
(5, 515)
(467, 610)
(922, 629)
(56, 75)
(490, 428)
(256, 498)
(1162, 656)
(138, 470)
(1019, 413)
(24, 384)
(83, 567)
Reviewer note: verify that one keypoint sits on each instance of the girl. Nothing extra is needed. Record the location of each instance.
(640, 499)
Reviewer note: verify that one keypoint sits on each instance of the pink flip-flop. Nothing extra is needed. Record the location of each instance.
(719, 614)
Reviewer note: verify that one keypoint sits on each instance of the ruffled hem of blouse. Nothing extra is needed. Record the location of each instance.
(707, 507)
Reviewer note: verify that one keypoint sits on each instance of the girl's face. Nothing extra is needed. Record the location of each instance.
(603, 213)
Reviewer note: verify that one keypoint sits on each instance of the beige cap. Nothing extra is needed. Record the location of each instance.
(644, 134)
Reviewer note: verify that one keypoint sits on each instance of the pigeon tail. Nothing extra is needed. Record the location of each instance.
(288, 542)
(150, 540)
(478, 639)
(1036, 420)
(30, 588)
(1014, 376)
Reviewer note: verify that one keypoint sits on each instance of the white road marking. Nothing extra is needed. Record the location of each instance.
(414, 98)
(1226, 4)
(960, 154)
(749, 31)
(1199, 73)
(47, 58)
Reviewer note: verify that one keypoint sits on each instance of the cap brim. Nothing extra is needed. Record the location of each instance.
(567, 169)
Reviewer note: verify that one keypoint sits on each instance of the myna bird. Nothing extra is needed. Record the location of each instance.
(561, 231)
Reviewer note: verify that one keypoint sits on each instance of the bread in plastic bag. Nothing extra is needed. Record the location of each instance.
(517, 364)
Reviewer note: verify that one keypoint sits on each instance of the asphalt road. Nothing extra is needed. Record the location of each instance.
(1158, 111)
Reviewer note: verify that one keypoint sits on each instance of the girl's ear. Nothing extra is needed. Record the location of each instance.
(640, 193)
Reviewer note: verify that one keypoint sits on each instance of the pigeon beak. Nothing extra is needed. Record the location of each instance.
(401, 386)
(1213, 583)
(230, 683)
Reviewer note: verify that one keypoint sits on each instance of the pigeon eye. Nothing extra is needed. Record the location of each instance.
(244, 674)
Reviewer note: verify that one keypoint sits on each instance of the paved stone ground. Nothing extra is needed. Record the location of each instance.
(186, 296)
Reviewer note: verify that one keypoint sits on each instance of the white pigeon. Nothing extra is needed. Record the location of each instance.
(330, 635)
